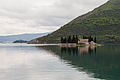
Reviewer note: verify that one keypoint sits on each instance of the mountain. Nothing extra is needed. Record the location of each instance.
(26, 37)
(103, 22)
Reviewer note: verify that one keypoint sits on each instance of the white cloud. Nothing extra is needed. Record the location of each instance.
(30, 16)
(16, 26)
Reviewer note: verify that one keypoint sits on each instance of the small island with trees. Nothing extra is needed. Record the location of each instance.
(72, 41)
(20, 41)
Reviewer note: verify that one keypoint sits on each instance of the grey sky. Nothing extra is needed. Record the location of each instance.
(39, 16)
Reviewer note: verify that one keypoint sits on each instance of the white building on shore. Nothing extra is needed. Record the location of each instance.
(84, 41)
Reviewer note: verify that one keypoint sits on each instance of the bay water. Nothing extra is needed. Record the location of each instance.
(52, 62)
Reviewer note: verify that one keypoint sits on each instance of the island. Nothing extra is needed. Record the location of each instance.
(73, 41)
(20, 41)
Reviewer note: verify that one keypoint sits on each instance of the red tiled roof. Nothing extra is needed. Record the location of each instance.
(83, 39)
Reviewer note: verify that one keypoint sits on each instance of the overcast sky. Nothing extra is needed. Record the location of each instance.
(39, 16)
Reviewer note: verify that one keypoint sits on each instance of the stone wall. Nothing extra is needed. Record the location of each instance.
(68, 44)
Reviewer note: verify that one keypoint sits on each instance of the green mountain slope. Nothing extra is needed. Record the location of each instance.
(104, 22)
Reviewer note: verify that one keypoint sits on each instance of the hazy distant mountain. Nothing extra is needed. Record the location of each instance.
(26, 37)
(103, 22)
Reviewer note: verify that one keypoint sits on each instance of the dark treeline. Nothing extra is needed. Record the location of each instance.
(70, 50)
(74, 39)
(69, 39)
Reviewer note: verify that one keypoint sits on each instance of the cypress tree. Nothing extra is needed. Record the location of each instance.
(62, 40)
(73, 39)
(76, 39)
(95, 39)
(65, 40)
(89, 39)
(83, 37)
(69, 39)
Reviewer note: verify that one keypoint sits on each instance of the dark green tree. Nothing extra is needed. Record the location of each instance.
(95, 39)
(76, 39)
(69, 40)
(62, 40)
(65, 40)
(89, 39)
(92, 39)
(73, 39)
(83, 37)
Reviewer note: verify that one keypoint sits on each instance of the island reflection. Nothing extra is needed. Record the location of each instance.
(78, 50)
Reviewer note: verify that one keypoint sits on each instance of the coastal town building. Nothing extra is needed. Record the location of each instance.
(84, 41)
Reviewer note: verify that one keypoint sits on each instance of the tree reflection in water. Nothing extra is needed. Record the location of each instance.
(78, 50)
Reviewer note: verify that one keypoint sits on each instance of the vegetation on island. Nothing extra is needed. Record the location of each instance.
(74, 39)
(103, 22)
(70, 39)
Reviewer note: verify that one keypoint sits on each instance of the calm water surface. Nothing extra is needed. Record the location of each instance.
(30, 62)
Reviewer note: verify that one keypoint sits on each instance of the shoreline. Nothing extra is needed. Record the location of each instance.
(78, 45)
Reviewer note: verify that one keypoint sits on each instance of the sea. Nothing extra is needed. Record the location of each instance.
(53, 62)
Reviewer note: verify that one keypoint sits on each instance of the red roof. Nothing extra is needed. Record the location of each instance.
(83, 39)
